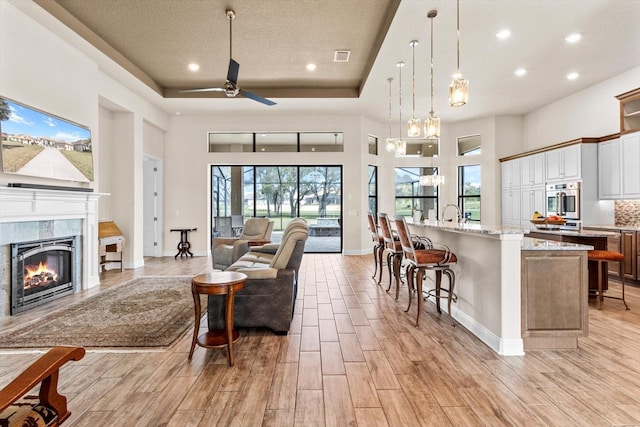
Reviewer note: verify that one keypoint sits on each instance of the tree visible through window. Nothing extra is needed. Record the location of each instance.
(282, 193)
(469, 191)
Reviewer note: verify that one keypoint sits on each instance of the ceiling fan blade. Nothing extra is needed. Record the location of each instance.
(255, 97)
(206, 89)
(232, 74)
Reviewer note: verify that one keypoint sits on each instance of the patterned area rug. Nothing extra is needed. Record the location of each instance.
(143, 312)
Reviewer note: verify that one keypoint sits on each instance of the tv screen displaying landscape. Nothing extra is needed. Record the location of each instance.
(38, 144)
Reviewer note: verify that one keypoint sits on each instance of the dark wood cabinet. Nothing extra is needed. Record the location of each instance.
(614, 244)
(627, 244)
(629, 250)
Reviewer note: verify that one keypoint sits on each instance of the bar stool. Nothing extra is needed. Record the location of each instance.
(378, 246)
(602, 258)
(394, 254)
(438, 258)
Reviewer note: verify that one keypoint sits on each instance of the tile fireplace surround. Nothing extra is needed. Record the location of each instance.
(32, 214)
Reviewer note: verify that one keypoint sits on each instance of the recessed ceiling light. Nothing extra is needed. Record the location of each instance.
(311, 67)
(520, 72)
(503, 34)
(573, 38)
(194, 67)
(573, 76)
(178, 113)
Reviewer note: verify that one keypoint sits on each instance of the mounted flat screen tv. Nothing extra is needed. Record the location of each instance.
(39, 144)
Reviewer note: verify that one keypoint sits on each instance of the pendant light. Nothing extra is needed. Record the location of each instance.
(432, 124)
(432, 180)
(414, 122)
(390, 143)
(401, 144)
(459, 87)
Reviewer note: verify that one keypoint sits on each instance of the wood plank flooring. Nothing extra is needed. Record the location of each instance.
(352, 358)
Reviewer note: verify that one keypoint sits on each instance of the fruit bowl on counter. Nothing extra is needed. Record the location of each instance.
(551, 222)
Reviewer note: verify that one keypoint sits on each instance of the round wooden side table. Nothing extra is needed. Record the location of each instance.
(216, 283)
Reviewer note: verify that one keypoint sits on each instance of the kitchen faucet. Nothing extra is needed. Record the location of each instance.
(458, 211)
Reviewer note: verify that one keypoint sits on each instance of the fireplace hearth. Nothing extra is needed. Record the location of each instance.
(41, 271)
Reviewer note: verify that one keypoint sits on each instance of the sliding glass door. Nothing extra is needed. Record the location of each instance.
(282, 193)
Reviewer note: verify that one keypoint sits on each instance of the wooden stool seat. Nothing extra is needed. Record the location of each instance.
(602, 257)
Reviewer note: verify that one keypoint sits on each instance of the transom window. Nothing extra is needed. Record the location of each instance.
(259, 142)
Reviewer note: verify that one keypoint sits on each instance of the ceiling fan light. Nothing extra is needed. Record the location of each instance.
(432, 127)
(458, 91)
(414, 127)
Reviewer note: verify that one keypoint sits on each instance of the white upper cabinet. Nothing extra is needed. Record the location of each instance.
(532, 170)
(511, 207)
(564, 163)
(619, 168)
(511, 174)
(609, 177)
(630, 165)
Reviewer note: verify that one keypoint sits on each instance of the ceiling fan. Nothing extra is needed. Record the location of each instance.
(231, 88)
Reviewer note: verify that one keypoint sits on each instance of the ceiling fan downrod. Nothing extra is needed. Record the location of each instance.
(231, 15)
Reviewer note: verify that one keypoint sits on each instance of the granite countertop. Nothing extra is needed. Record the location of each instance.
(529, 244)
(473, 228)
(579, 233)
(612, 227)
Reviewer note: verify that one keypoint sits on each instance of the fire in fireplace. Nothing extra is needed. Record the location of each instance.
(42, 271)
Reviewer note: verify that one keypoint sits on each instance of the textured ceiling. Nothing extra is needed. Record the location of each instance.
(273, 40)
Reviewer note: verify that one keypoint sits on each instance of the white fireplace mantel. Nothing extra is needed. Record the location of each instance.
(34, 204)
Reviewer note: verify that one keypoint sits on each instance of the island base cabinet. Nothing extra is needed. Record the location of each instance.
(554, 299)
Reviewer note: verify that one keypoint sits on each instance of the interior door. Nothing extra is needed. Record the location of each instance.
(151, 207)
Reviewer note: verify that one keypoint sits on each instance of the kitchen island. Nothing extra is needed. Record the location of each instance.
(508, 285)
(596, 238)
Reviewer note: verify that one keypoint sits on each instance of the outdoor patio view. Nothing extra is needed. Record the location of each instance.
(281, 193)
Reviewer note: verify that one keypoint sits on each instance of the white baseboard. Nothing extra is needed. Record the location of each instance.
(512, 347)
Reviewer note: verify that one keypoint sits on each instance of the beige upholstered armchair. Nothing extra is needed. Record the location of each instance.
(226, 250)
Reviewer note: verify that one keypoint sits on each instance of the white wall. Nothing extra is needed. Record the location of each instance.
(189, 166)
(126, 124)
(593, 112)
(40, 70)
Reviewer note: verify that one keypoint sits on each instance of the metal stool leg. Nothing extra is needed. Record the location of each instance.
(622, 280)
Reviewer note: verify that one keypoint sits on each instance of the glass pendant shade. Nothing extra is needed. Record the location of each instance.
(390, 144)
(414, 127)
(401, 147)
(458, 91)
(432, 127)
(431, 180)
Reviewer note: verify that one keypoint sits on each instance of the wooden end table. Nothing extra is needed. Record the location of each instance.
(183, 244)
(216, 283)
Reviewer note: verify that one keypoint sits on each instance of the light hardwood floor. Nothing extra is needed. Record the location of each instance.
(353, 357)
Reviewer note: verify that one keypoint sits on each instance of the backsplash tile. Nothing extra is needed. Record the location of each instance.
(627, 212)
